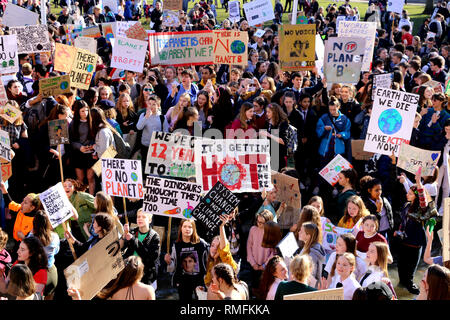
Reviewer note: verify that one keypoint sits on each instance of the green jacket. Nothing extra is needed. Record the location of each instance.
(84, 204)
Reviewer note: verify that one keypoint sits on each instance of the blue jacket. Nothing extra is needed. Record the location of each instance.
(127, 13)
(427, 135)
(341, 125)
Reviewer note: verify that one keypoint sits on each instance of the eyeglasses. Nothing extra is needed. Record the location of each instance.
(148, 90)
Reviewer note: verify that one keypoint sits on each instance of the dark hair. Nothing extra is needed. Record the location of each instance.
(272, 235)
(38, 257)
(99, 121)
(42, 228)
(105, 221)
(438, 280)
(351, 175)
(74, 126)
(89, 96)
(21, 282)
(225, 272)
(268, 278)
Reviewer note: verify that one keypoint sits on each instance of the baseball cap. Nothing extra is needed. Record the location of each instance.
(105, 104)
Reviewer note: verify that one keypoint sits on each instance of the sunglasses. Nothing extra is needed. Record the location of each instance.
(148, 89)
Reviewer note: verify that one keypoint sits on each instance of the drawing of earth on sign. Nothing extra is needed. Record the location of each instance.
(134, 177)
(237, 47)
(390, 121)
(231, 174)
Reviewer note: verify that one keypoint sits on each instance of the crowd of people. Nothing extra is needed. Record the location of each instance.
(394, 215)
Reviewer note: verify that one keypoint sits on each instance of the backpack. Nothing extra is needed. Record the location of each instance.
(123, 148)
(24, 84)
(291, 137)
(34, 115)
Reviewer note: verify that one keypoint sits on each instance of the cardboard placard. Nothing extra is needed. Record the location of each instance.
(171, 198)
(358, 152)
(173, 5)
(258, 12)
(110, 152)
(331, 171)
(329, 294)
(86, 43)
(10, 113)
(288, 245)
(343, 59)
(6, 170)
(218, 201)
(122, 178)
(435, 85)
(359, 29)
(5, 146)
(170, 19)
(395, 6)
(64, 56)
(9, 61)
(83, 68)
(91, 272)
(54, 86)
(137, 32)
(120, 27)
(298, 47)
(32, 39)
(383, 80)
(15, 16)
(446, 231)
(181, 48)
(411, 159)
(108, 31)
(230, 47)
(56, 204)
(287, 188)
(58, 132)
(128, 54)
(242, 165)
(171, 155)
(234, 11)
(391, 121)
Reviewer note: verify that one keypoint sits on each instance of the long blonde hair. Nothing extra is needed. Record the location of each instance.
(119, 105)
(382, 256)
(362, 212)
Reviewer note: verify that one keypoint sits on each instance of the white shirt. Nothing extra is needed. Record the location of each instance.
(350, 285)
(376, 275)
(273, 289)
(360, 268)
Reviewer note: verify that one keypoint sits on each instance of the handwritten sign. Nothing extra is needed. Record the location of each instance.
(170, 19)
(297, 44)
(288, 245)
(10, 113)
(173, 5)
(128, 54)
(54, 86)
(287, 188)
(83, 68)
(383, 80)
(234, 11)
(109, 153)
(331, 171)
(358, 152)
(86, 43)
(58, 132)
(64, 56)
(56, 204)
(395, 6)
(6, 170)
(9, 61)
(91, 32)
(230, 47)
(32, 39)
(5, 146)
(122, 178)
(137, 32)
(331, 233)
(258, 12)
(411, 159)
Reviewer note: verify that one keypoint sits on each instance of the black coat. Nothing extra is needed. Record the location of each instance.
(373, 210)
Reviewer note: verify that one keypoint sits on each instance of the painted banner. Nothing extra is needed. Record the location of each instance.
(173, 5)
(331, 171)
(391, 121)
(171, 155)
(5, 146)
(181, 48)
(242, 165)
(72, 32)
(343, 59)
(218, 201)
(259, 11)
(446, 231)
(83, 69)
(9, 61)
(128, 54)
(109, 153)
(120, 28)
(91, 272)
(32, 39)
(360, 29)
(6, 170)
(58, 132)
(331, 233)
(329, 294)
(64, 56)
(56, 204)
(435, 85)
(122, 178)
(170, 19)
(411, 159)
(230, 47)
(91, 32)
(86, 43)
(297, 44)
(15, 16)
(54, 86)
(287, 188)
(395, 6)
(10, 113)
(171, 198)
(358, 152)
(108, 30)
(383, 80)
(111, 4)
(234, 11)
(137, 32)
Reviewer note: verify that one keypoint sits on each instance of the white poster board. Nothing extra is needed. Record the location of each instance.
(234, 11)
(395, 6)
(15, 16)
(56, 204)
(129, 54)
(5, 145)
(9, 61)
(112, 4)
(331, 171)
(122, 178)
(258, 12)
(288, 245)
(32, 39)
(86, 43)
(411, 159)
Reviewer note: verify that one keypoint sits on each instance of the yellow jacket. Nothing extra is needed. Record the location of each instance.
(225, 257)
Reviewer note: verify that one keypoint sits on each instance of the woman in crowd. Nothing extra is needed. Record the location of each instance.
(126, 117)
(14, 91)
(377, 260)
(343, 276)
(369, 233)
(245, 121)
(347, 180)
(175, 113)
(435, 284)
(274, 272)
(204, 106)
(276, 130)
(309, 235)
(225, 285)
(354, 212)
(22, 285)
(188, 120)
(103, 132)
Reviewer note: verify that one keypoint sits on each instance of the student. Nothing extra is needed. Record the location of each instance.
(368, 234)
(274, 272)
(102, 131)
(22, 285)
(354, 212)
(427, 258)
(347, 180)
(343, 276)
(435, 284)
(225, 285)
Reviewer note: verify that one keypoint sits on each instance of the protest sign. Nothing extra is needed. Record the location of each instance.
(259, 33)
(331, 171)
(358, 152)
(109, 153)
(435, 85)
(173, 5)
(171, 155)
(242, 165)
(111, 4)
(288, 245)
(108, 30)
(86, 43)
(218, 201)
(32, 39)
(171, 198)
(230, 47)
(91, 32)
(234, 11)
(170, 19)
(54, 86)
(343, 59)
(122, 178)
(58, 132)
(320, 48)
(6, 170)
(120, 28)
(83, 68)
(359, 29)
(72, 32)
(3, 96)
(10, 113)
(91, 272)
(411, 159)
(329, 294)
(15, 16)
(5, 146)
(64, 56)
(181, 48)
(395, 6)
(128, 54)
(391, 121)
(446, 231)
(331, 233)
(287, 188)
(298, 47)
(56, 204)
(339, 19)
(258, 12)
(383, 80)
(137, 32)
(9, 61)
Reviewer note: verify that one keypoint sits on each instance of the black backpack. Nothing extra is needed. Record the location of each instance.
(123, 148)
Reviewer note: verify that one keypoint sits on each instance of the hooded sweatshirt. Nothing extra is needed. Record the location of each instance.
(317, 254)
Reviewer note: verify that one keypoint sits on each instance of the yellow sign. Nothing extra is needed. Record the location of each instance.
(54, 86)
(64, 55)
(297, 47)
(83, 68)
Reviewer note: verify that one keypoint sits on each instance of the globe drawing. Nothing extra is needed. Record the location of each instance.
(237, 47)
(230, 174)
(390, 121)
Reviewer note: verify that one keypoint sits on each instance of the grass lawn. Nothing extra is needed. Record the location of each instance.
(415, 12)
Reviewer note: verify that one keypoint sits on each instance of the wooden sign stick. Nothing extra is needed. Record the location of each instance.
(125, 210)
(168, 234)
